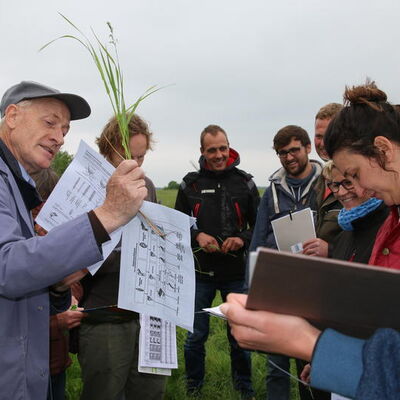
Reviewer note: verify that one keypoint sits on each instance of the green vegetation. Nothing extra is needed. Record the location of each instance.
(61, 162)
(172, 185)
(167, 197)
(218, 384)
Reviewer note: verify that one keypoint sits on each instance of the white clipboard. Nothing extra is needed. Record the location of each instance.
(293, 229)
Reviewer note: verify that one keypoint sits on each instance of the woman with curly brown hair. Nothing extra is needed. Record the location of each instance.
(109, 340)
(364, 142)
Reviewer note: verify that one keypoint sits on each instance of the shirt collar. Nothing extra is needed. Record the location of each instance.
(26, 176)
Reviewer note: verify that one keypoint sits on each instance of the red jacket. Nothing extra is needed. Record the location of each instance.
(386, 250)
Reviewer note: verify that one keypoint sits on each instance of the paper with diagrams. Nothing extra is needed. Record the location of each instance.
(81, 188)
(157, 343)
(157, 268)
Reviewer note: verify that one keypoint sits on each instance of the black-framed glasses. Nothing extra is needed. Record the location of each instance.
(292, 151)
(335, 186)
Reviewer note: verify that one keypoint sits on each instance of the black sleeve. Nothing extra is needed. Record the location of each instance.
(254, 201)
(100, 233)
(182, 204)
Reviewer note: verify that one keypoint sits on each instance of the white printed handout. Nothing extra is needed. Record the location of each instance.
(157, 269)
(157, 343)
(81, 188)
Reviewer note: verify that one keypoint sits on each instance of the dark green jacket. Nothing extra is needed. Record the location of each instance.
(327, 227)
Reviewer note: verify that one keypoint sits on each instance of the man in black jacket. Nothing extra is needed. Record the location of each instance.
(224, 200)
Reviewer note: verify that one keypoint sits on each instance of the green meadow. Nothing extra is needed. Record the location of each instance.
(218, 379)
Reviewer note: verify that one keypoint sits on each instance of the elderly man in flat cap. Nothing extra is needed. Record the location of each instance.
(35, 119)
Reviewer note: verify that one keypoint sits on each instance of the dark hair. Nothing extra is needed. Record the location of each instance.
(111, 134)
(366, 115)
(212, 130)
(46, 180)
(287, 133)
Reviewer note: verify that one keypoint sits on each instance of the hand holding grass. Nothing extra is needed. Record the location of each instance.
(232, 244)
(107, 63)
(71, 318)
(207, 243)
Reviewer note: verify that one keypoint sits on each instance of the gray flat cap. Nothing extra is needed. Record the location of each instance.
(26, 90)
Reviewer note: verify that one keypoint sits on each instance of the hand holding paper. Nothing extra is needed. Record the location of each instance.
(269, 332)
(125, 193)
(315, 247)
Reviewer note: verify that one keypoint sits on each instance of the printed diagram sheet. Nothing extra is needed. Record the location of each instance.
(82, 188)
(157, 271)
(157, 343)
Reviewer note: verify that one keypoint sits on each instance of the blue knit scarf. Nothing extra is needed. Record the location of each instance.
(346, 217)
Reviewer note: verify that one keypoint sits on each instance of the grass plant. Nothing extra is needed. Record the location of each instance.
(108, 65)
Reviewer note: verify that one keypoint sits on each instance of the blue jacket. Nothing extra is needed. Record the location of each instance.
(364, 370)
(277, 201)
(28, 265)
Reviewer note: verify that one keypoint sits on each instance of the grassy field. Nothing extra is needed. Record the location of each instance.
(218, 380)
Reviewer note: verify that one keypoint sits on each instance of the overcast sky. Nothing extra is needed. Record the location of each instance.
(251, 67)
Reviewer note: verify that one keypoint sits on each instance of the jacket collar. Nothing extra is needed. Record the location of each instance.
(29, 193)
(15, 192)
(279, 176)
(233, 161)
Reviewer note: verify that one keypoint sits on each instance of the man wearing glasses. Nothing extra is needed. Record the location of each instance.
(291, 189)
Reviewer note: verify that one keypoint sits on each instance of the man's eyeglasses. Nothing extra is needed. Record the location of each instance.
(292, 151)
(335, 186)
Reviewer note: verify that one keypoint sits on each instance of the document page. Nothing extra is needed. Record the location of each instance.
(157, 268)
(81, 188)
(157, 343)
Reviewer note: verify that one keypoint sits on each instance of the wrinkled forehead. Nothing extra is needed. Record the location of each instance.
(47, 106)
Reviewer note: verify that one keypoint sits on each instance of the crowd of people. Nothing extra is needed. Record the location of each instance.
(352, 193)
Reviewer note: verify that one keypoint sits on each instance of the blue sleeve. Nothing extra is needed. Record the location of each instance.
(364, 370)
(337, 363)
(260, 232)
(27, 265)
(262, 227)
(59, 302)
(381, 359)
